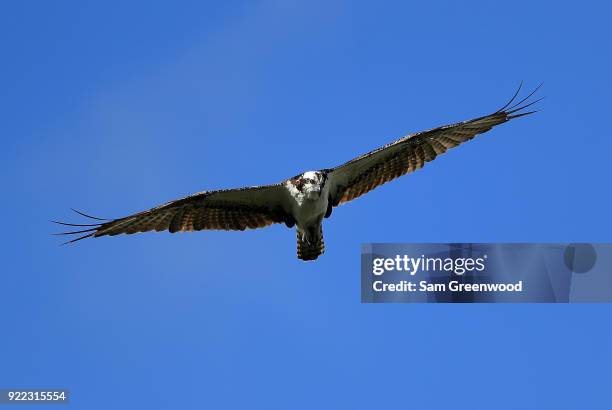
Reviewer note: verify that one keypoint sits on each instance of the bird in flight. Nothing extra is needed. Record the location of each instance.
(304, 200)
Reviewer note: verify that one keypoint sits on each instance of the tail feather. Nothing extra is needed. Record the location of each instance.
(309, 247)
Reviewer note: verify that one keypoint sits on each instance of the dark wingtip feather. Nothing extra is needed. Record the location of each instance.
(92, 228)
(78, 239)
(523, 107)
(522, 114)
(516, 93)
(526, 98)
(68, 224)
(89, 216)
(509, 109)
(75, 232)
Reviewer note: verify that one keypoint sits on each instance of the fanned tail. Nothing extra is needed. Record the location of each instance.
(310, 243)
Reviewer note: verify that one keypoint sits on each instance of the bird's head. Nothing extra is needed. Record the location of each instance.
(312, 183)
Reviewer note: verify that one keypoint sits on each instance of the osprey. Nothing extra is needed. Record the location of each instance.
(304, 200)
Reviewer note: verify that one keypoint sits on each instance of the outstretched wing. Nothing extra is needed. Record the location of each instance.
(363, 174)
(232, 209)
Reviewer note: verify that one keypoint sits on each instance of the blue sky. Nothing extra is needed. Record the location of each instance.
(113, 108)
